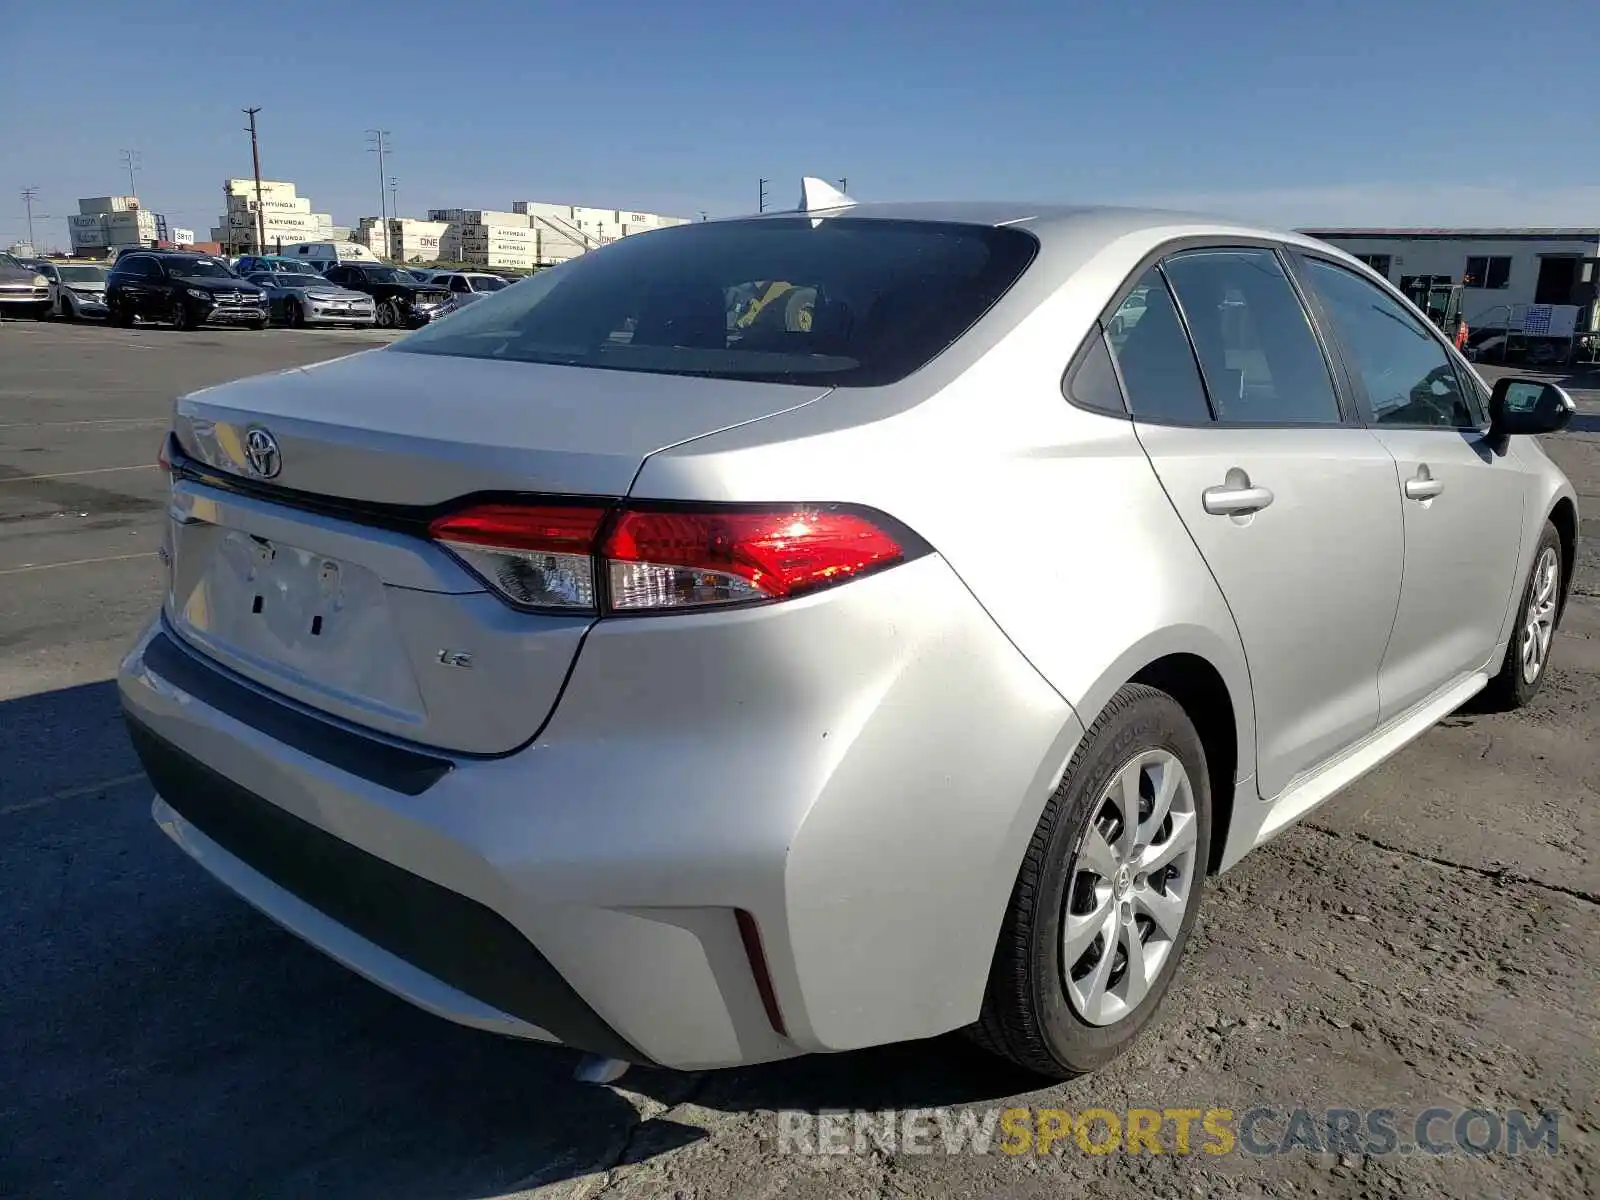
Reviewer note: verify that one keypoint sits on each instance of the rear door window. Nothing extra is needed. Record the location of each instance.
(1262, 361)
(842, 301)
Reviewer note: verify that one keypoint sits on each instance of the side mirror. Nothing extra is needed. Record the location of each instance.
(1528, 406)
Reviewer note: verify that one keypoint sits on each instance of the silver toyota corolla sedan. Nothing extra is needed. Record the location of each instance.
(833, 627)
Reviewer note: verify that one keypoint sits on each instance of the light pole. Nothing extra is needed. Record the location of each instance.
(378, 143)
(29, 195)
(255, 161)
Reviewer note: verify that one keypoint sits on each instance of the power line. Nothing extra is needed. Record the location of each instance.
(132, 160)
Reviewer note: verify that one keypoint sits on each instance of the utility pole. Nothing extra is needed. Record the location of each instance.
(394, 195)
(763, 207)
(29, 195)
(131, 161)
(844, 184)
(255, 161)
(379, 144)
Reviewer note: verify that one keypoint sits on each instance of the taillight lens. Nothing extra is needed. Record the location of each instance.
(658, 560)
(555, 558)
(536, 557)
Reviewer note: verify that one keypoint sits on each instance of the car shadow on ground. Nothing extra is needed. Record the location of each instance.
(159, 1037)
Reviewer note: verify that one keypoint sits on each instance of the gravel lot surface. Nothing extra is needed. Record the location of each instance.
(1429, 938)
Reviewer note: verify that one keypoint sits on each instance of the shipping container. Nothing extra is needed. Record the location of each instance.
(107, 204)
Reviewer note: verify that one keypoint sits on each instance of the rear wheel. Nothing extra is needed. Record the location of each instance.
(1527, 659)
(1107, 895)
(388, 314)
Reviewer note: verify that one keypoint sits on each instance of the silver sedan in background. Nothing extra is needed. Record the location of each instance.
(297, 298)
(76, 289)
(594, 668)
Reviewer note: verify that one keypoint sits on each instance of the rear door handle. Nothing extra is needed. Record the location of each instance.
(1423, 486)
(1235, 497)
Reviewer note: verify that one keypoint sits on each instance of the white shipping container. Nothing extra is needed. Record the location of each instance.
(274, 189)
(297, 204)
(107, 204)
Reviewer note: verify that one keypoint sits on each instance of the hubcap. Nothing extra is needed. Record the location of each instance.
(1131, 882)
(1543, 591)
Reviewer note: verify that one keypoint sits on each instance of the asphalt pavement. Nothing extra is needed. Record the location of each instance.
(1429, 938)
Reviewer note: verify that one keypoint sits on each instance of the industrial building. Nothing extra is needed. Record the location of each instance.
(1502, 273)
(103, 224)
(286, 217)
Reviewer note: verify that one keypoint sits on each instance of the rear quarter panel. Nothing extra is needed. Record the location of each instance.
(1049, 514)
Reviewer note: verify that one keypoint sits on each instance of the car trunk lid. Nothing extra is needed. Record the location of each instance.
(307, 569)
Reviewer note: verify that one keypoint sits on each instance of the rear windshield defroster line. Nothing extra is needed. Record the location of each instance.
(841, 302)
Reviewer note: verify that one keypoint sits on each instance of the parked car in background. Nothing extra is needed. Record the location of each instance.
(402, 302)
(591, 668)
(254, 264)
(181, 289)
(322, 255)
(76, 289)
(23, 291)
(467, 286)
(297, 298)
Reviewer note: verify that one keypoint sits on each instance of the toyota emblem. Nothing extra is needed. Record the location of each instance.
(261, 453)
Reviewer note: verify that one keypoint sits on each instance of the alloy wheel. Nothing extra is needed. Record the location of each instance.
(1540, 625)
(1132, 880)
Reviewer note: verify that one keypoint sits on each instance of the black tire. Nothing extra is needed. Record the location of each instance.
(42, 312)
(296, 315)
(181, 316)
(1511, 688)
(256, 325)
(120, 314)
(1028, 1016)
(68, 313)
(388, 315)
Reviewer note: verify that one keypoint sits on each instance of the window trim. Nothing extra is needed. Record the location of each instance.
(1358, 387)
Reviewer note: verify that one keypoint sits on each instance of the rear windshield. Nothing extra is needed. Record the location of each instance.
(848, 302)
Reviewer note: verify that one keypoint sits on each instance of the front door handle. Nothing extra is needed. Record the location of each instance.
(1236, 496)
(1423, 486)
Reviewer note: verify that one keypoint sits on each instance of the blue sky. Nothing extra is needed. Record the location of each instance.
(1362, 112)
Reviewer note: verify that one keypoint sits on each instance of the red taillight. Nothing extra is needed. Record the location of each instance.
(691, 559)
(552, 556)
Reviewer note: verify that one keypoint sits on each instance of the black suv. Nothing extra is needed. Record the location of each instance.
(181, 289)
(402, 301)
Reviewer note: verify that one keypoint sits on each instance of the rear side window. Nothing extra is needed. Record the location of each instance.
(1159, 375)
(1262, 361)
(841, 301)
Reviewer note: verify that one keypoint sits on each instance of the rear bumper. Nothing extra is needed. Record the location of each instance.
(858, 771)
